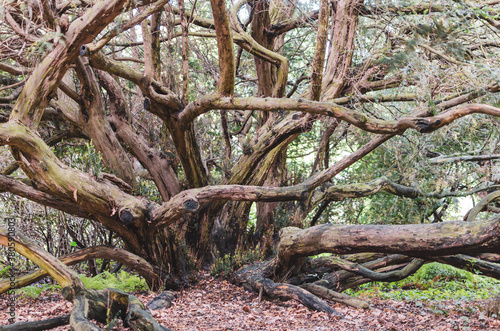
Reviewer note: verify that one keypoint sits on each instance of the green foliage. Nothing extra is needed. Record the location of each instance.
(436, 271)
(123, 281)
(34, 291)
(84, 157)
(92, 160)
(434, 281)
(225, 266)
(5, 272)
(148, 189)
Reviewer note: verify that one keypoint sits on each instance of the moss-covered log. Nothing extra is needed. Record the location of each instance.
(472, 264)
(415, 239)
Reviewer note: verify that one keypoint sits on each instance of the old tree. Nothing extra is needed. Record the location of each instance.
(349, 127)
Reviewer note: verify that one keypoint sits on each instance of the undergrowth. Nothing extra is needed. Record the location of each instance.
(434, 281)
(123, 281)
(34, 291)
(227, 265)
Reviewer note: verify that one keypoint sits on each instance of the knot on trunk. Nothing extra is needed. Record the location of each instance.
(126, 216)
(191, 204)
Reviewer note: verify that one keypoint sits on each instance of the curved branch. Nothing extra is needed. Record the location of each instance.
(337, 279)
(245, 41)
(102, 252)
(361, 270)
(190, 200)
(362, 121)
(359, 190)
(47, 74)
(86, 303)
(155, 90)
(472, 214)
(102, 199)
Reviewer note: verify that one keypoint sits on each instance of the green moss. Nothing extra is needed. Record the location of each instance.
(34, 291)
(433, 282)
(123, 281)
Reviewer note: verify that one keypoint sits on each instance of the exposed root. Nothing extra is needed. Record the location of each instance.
(325, 293)
(361, 270)
(105, 306)
(253, 277)
(37, 325)
(342, 280)
(162, 300)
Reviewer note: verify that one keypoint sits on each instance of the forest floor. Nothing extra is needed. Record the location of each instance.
(215, 304)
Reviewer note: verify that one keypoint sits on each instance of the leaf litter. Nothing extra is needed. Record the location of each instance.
(215, 304)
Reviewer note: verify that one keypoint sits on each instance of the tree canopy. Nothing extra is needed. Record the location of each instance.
(187, 131)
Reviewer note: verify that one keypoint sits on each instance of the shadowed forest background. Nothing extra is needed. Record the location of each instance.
(297, 148)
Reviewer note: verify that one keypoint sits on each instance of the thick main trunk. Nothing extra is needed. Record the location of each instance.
(343, 33)
(235, 215)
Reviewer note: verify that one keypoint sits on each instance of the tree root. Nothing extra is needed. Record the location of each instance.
(37, 325)
(341, 280)
(361, 270)
(162, 300)
(388, 268)
(253, 278)
(325, 293)
(107, 305)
